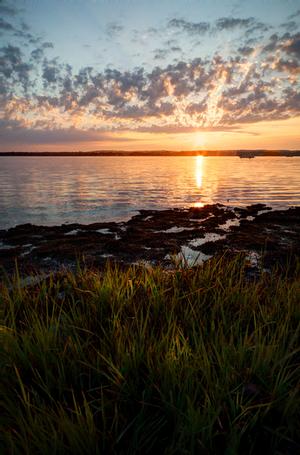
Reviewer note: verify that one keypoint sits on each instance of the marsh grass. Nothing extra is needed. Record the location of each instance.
(139, 361)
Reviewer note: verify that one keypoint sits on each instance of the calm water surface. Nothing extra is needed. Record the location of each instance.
(55, 190)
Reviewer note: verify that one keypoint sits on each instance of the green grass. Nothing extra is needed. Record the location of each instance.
(137, 361)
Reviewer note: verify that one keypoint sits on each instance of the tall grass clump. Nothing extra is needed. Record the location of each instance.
(140, 361)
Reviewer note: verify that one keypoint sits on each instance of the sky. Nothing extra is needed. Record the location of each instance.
(149, 75)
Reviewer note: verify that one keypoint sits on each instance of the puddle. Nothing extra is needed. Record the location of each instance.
(6, 246)
(74, 232)
(229, 223)
(188, 257)
(104, 231)
(176, 229)
(200, 220)
(209, 237)
(30, 248)
(264, 211)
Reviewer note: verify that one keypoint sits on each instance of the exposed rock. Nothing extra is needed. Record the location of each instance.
(155, 236)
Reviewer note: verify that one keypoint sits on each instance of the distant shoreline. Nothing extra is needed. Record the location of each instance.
(240, 153)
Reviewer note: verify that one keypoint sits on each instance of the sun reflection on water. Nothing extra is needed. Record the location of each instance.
(199, 171)
(199, 177)
(198, 204)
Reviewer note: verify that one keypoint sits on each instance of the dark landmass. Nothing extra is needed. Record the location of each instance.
(188, 236)
(241, 153)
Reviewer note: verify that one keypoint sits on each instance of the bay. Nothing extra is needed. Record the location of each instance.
(56, 190)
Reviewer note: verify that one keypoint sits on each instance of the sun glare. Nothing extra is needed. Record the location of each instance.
(199, 140)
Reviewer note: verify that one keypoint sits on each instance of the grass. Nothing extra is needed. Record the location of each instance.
(139, 361)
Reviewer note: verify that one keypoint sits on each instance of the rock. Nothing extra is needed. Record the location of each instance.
(153, 235)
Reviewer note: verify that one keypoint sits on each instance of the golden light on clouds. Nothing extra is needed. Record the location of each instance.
(273, 135)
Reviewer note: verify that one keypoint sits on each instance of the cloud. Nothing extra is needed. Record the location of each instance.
(227, 23)
(294, 15)
(257, 82)
(291, 66)
(114, 29)
(38, 53)
(14, 134)
(8, 10)
(4, 25)
(250, 24)
(178, 129)
(50, 73)
(287, 43)
(289, 26)
(192, 28)
(292, 45)
(13, 66)
(246, 50)
(161, 54)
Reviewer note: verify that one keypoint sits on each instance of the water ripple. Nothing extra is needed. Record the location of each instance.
(53, 190)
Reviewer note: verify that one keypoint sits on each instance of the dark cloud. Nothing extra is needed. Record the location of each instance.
(289, 26)
(272, 44)
(288, 43)
(164, 53)
(161, 54)
(50, 73)
(84, 76)
(284, 53)
(171, 42)
(250, 24)
(27, 37)
(294, 15)
(39, 53)
(47, 45)
(13, 134)
(258, 27)
(175, 49)
(192, 28)
(90, 94)
(113, 29)
(246, 50)
(13, 67)
(8, 10)
(292, 45)
(6, 26)
(291, 66)
(228, 23)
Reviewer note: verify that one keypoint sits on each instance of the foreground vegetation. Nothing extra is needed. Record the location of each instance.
(203, 361)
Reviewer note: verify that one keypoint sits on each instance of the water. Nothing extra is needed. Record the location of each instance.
(55, 190)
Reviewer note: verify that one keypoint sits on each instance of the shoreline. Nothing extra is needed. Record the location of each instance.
(244, 153)
(185, 237)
